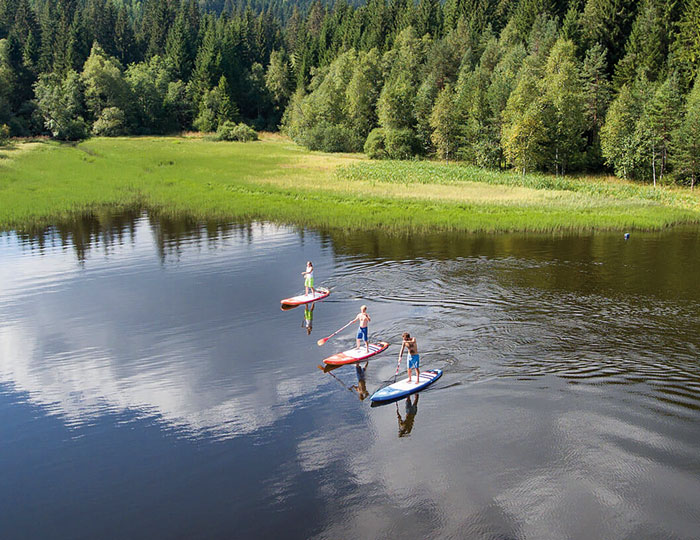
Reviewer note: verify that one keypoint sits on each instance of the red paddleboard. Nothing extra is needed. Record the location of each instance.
(356, 355)
(320, 294)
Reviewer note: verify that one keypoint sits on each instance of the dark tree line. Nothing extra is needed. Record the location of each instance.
(557, 85)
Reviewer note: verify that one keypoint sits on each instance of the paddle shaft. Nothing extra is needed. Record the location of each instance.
(322, 341)
(398, 365)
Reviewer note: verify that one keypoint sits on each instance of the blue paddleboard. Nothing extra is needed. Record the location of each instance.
(404, 388)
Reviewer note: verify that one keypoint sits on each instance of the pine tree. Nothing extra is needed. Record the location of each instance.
(216, 107)
(427, 19)
(157, 18)
(527, 12)
(177, 49)
(686, 139)
(207, 68)
(687, 45)
(8, 8)
(47, 25)
(597, 94)
(608, 22)
(645, 51)
(124, 39)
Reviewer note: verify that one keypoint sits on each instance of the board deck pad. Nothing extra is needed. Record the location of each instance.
(356, 355)
(320, 294)
(404, 388)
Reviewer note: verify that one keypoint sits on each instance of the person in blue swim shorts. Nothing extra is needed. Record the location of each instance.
(364, 318)
(410, 344)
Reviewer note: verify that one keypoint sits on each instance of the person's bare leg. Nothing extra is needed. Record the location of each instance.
(417, 375)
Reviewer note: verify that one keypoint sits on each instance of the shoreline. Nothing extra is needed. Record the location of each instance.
(276, 180)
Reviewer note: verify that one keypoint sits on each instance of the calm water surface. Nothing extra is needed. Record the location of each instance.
(151, 387)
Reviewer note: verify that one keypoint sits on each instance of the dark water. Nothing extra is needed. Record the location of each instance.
(150, 386)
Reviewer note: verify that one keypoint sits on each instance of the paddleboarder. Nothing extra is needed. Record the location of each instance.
(413, 361)
(309, 278)
(362, 334)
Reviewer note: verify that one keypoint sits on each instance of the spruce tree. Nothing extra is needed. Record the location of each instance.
(608, 22)
(645, 52)
(687, 45)
(686, 140)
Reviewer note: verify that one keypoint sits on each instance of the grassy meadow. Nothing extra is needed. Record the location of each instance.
(274, 179)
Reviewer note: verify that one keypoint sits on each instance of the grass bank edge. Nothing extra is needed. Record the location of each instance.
(244, 198)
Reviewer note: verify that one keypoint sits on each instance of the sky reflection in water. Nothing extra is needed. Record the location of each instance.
(150, 384)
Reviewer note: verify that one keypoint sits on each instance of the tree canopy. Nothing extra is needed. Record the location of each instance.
(555, 85)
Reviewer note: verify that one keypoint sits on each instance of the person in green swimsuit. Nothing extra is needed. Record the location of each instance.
(309, 278)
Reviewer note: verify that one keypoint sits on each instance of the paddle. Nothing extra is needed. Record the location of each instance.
(398, 365)
(323, 340)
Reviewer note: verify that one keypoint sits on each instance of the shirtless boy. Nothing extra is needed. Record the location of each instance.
(413, 356)
(364, 319)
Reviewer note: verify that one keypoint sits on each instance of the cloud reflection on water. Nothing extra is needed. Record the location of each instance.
(83, 340)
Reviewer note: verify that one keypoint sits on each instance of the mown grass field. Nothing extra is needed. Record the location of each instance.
(274, 179)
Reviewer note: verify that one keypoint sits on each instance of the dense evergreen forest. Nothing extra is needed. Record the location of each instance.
(552, 85)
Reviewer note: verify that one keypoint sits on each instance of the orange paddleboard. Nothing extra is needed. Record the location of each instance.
(356, 355)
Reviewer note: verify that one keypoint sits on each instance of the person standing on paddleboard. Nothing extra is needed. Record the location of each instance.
(413, 356)
(309, 278)
(362, 331)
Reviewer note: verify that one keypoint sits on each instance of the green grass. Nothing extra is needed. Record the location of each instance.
(274, 179)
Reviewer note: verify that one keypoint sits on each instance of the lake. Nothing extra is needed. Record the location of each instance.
(151, 386)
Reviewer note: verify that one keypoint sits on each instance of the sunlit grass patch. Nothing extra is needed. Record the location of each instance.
(274, 179)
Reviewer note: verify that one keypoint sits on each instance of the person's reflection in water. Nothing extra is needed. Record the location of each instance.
(308, 318)
(361, 386)
(405, 426)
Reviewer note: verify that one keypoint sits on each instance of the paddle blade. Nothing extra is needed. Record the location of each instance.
(322, 341)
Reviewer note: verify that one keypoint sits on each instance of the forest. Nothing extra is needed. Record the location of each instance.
(561, 86)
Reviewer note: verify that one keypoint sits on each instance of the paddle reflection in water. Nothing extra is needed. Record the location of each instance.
(406, 425)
